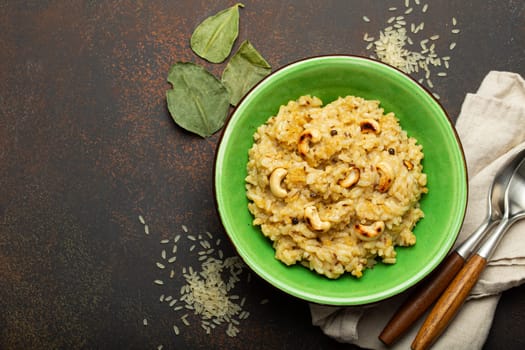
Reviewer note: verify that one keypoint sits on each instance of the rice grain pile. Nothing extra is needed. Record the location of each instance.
(202, 294)
(335, 187)
(396, 44)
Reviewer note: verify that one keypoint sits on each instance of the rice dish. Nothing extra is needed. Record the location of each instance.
(335, 188)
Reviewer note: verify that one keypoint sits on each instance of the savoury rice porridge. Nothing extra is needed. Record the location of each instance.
(335, 188)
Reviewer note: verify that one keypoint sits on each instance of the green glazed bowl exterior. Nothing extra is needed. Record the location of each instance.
(329, 77)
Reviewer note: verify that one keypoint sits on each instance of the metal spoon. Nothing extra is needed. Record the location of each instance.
(449, 303)
(428, 291)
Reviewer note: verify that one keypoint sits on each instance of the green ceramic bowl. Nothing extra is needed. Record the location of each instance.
(329, 77)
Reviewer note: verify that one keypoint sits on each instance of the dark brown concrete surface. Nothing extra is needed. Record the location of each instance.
(87, 145)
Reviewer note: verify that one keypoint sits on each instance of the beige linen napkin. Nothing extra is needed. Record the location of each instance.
(491, 127)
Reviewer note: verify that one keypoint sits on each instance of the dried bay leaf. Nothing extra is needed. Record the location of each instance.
(245, 69)
(213, 39)
(198, 101)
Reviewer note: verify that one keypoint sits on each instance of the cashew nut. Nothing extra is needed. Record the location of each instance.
(352, 178)
(312, 218)
(386, 176)
(408, 164)
(307, 136)
(370, 232)
(276, 178)
(369, 125)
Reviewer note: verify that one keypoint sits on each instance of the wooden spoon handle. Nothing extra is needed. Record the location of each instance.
(449, 303)
(422, 298)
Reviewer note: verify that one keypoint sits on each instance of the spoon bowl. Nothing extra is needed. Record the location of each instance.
(516, 194)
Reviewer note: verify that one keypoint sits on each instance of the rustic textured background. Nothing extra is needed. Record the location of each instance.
(87, 145)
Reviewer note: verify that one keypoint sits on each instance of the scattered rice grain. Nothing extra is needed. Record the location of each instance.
(172, 259)
(455, 31)
(366, 19)
(425, 8)
(146, 229)
(434, 37)
(161, 266)
(452, 46)
(454, 21)
(159, 282)
(176, 330)
(442, 74)
(141, 219)
(145, 322)
(184, 228)
(409, 11)
(184, 319)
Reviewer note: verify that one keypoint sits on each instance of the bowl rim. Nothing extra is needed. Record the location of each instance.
(340, 302)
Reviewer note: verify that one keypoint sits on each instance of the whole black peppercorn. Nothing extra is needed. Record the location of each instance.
(391, 151)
